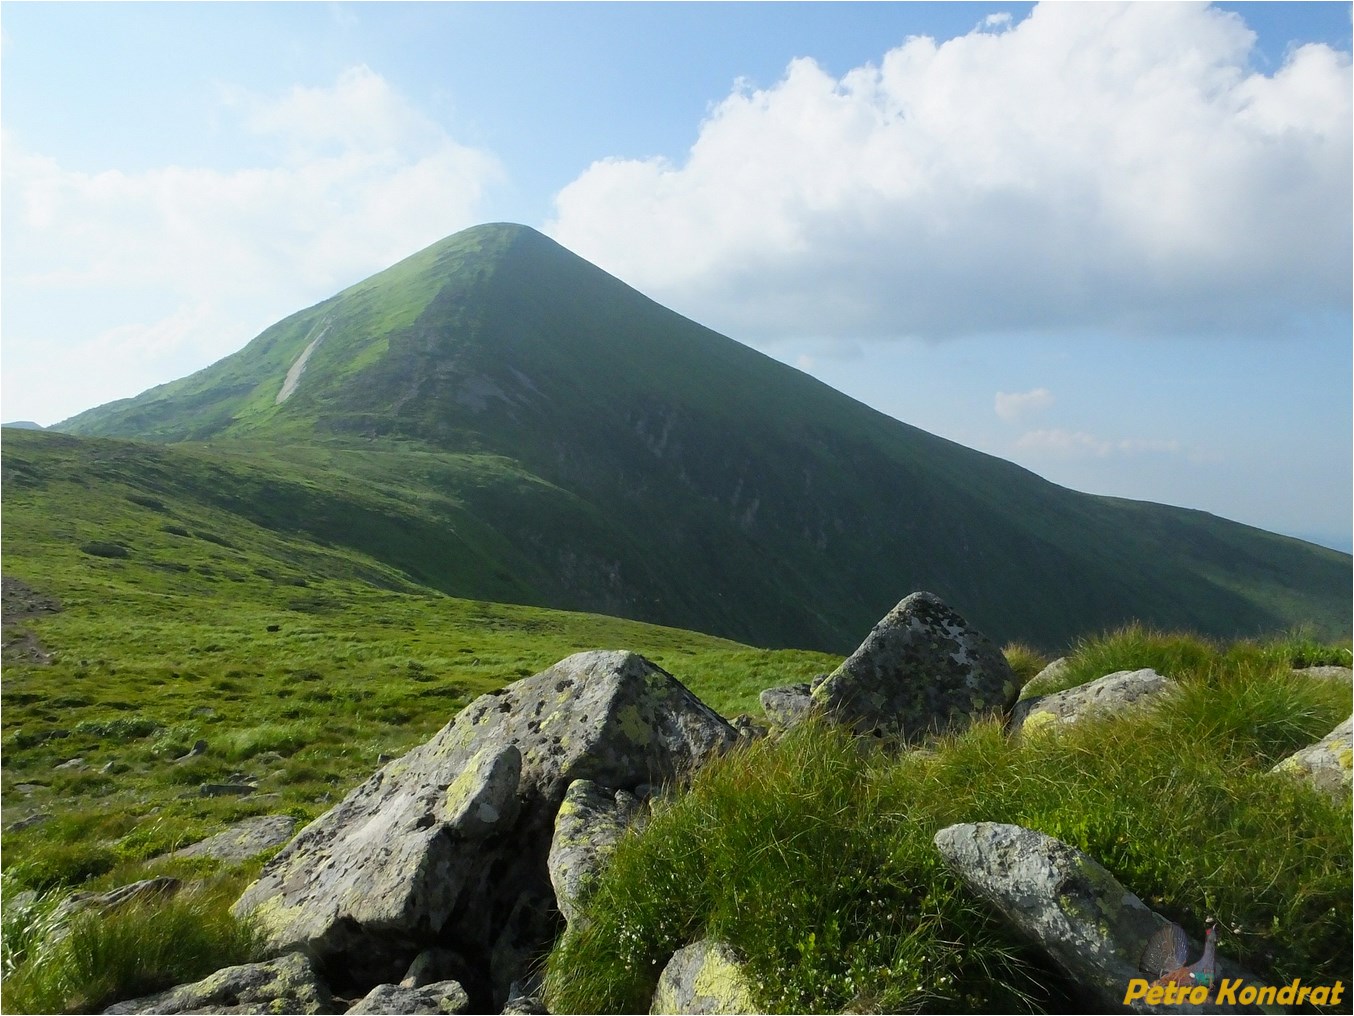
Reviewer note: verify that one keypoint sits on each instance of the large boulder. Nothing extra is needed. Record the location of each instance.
(1327, 765)
(1091, 927)
(1108, 695)
(287, 984)
(705, 977)
(447, 846)
(922, 669)
(590, 823)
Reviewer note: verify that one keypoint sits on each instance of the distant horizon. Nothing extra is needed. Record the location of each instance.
(1109, 243)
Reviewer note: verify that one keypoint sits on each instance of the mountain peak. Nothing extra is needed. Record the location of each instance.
(628, 460)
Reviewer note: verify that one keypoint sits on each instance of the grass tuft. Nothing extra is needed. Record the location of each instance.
(1025, 661)
(136, 950)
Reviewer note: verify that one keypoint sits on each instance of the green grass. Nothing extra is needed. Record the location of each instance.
(261, 599)
(137, 949)
(298, 659)
(1180, 655)
(812, 855)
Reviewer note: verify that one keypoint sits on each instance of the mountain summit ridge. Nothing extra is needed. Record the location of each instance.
(664, 472)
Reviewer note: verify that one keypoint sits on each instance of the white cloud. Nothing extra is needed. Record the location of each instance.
(1079, 444)
(360, 180)
(1094, 165)
(1012, 406)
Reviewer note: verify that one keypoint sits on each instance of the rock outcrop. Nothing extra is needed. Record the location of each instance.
(1328, 764)
(921, 670)
(447, 846)
(705, 977)
(1111, 694)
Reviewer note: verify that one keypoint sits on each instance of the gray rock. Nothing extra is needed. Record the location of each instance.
(245, 839)
(1047, 679)
(448, 844)
(31, 820)
(787, 705)
(921, 669)
(590, 822)
(748, 728)
(705, 977)
(433, 965)
(395, 999)
(526, 997)
(1088, 924)
(1113, 693)
(1326, 764)
(70, 763)
(287, 984)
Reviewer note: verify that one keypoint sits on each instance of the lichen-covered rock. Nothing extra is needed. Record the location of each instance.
(787, 705)
(396, 999)
(921, 669)
(245, 839)
(590, 822)
(1326, 764)
(705, 977)
(286, 984)
(1113, 693)
(1081, 916)
(447, 845)
(1047, 679)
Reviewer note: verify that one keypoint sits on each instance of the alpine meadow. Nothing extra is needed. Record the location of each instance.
(394, 534)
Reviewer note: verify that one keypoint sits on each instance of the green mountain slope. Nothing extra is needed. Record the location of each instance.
(526, 427)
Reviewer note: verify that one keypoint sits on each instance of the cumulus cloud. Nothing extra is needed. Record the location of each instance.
(1091, 166)
(358, 180)
(1011, 406)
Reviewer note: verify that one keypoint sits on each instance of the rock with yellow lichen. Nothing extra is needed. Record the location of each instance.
(447, 845)
(1326, 764)
(1112, 694)
(705, 977)
(287, 984)
(589, 824)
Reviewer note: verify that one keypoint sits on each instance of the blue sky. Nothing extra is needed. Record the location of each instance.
(1110, 243)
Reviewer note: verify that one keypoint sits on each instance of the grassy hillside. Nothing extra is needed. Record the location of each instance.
(596, 451)
(270, 608)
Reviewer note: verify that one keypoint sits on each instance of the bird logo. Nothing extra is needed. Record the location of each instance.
(1165, 955)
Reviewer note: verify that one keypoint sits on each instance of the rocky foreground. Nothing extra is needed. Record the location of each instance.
(438, 884)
